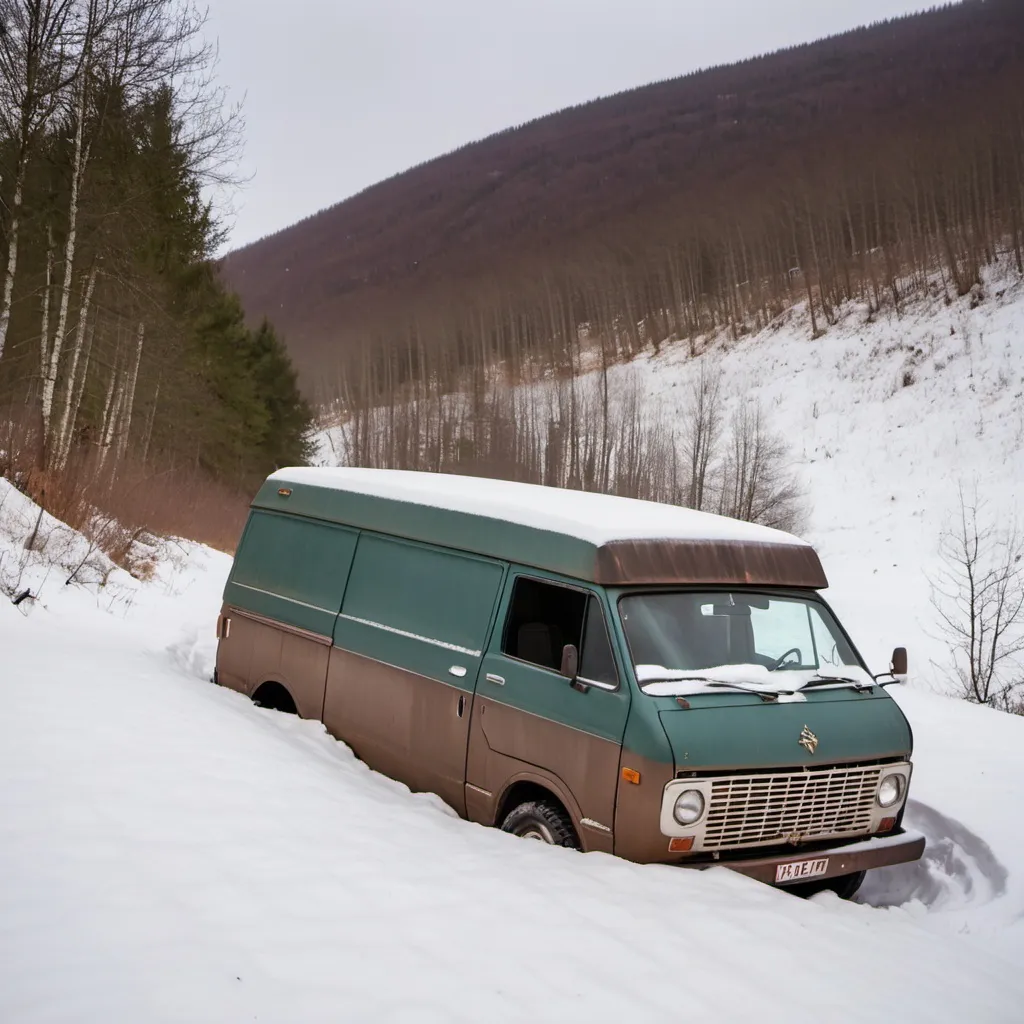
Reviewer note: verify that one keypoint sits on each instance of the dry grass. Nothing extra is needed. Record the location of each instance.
(122, 508)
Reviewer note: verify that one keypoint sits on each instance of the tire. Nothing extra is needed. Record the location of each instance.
(844, 886)
(544, 820)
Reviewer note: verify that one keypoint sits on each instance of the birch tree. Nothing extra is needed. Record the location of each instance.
(39, 58)
(63, 438)
(130, 48)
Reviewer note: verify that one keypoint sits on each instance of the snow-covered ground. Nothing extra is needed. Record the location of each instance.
(169, 852)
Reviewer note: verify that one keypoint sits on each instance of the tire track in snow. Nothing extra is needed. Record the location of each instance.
(958, 868)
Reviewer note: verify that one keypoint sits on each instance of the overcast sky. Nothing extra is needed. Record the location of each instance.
(340, 94)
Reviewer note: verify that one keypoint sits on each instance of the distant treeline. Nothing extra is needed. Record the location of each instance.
(853, 168)
(118, 342)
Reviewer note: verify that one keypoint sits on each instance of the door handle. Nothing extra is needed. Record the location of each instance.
(497, 680)
(458, 671)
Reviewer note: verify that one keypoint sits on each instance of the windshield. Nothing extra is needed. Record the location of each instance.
(738, 638)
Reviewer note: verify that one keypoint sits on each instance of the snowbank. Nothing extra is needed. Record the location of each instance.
(172, 853)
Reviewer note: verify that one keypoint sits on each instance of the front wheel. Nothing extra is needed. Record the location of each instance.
(544, 820)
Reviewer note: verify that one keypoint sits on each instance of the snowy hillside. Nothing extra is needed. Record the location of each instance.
(169, 852)
(885, 420)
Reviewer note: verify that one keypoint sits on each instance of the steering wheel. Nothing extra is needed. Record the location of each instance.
(779, 662)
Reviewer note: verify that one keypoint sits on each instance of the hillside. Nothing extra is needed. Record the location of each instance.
(172, 852)
(829, 125)
(884, 417)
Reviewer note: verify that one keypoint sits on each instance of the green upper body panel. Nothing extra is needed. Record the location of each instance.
(741, 731)
(546, 693)
(419, 608)
(593, 537)
(292, 570)
(458, 530)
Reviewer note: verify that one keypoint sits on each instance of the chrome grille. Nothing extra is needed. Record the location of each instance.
(820, 803)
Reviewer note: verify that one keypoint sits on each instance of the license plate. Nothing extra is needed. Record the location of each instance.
(798, 870)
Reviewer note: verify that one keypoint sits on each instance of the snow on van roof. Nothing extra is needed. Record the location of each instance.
(594, 518)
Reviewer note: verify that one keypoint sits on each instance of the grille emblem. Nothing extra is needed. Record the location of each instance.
(808, 740)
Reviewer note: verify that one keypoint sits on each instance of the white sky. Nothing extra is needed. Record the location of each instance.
(342, 94)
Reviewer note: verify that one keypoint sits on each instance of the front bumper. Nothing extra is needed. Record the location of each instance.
(861, 855)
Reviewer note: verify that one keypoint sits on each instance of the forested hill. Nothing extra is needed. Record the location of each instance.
(815, 133)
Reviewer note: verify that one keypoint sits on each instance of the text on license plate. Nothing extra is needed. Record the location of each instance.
(798, 870)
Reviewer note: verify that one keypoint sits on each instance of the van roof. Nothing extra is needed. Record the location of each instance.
(596, 537)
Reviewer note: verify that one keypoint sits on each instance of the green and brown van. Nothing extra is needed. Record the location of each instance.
(592, 671)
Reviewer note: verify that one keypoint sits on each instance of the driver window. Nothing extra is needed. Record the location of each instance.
(542, 618)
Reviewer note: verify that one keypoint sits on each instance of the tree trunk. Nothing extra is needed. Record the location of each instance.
(12, 252)
(50, 377)
(63, 439)
(122, 444)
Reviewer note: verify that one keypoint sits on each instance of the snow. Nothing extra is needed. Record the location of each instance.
(170, 852)
(658, 681)
(595, 518)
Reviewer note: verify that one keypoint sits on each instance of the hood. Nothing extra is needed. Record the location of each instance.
(730, 733)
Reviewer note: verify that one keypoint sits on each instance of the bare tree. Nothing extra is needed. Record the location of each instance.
(756, 483)
(39, 58)
(702, 431)
(978, 596)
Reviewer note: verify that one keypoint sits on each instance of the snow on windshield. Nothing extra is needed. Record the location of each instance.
(688, 639)
(658, 681)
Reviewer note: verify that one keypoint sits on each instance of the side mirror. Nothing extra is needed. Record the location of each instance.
(570, 661)
(898, 666)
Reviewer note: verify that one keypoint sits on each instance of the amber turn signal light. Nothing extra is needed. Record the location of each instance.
(284, 491)
(631, 775)
(887, 825)
(680, 845)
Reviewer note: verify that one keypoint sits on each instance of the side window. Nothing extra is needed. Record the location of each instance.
(428, 594)
(597, 662)
(825, 646)
(542, 619)
(830, 646)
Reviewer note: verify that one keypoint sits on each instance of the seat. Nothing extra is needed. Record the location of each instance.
(712, 637)
(540, 644)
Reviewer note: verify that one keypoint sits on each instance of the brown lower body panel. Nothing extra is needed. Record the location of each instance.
(404, 725)
(258, 650)
(509, 745)
(637, 811)
(842, 860)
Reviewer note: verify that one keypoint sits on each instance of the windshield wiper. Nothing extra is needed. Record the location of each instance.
(766, 695)
(820, 680)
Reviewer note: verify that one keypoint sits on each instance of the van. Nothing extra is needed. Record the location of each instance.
(590, 671)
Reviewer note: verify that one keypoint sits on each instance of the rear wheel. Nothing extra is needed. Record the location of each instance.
(275, 697)
(844, 886)
(544, 820)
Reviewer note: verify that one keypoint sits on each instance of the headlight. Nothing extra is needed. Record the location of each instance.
(890, 790)
(689, 807)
